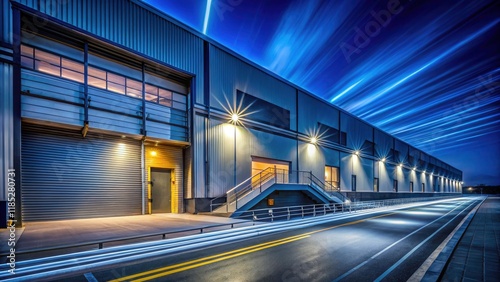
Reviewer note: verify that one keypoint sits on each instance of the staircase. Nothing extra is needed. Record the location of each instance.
(254, 186)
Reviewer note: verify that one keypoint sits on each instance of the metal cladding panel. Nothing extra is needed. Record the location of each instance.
(51, 99)
(167, 157)
(385, 175)
(383, 144)
(66, 176)
(221, 153)
(128, 24)
(6, 22)
(312, 158)
(357, 131)
(402, 147)
(312, 111)
(346, 170)
(200, 140)
(229, 74)
(6, 125)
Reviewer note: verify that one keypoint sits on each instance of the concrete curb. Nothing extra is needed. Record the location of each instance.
(438, 266)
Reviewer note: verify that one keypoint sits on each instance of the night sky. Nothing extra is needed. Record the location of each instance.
(425, 71)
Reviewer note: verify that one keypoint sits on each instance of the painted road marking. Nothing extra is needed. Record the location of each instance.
(211, 259)
(168, 270)
(164, 271)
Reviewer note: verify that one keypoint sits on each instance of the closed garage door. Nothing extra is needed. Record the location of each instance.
(66, 176)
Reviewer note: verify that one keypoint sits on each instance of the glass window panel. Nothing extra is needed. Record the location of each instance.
(179, 106)
(116, 79)
(118, 88)
(134, 84)
(179, 98)
(328, 174)
(165, 94)
(48, 68)
(335, 173)
(94, 81)
(72, 65)
(73, 75)
(97, 72)
(165, 97)
(27, 62)
(165, 102)
(134, 92)
(151, 93)
(26, 51)
(47, 57)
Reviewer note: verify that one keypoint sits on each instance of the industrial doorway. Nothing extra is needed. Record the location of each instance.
(161, 196)
(280, 168)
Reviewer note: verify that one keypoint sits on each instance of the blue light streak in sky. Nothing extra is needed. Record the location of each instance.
(429, 75)
(207, 16)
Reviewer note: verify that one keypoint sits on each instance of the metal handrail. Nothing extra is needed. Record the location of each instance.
(276, 213)
(281, 176)
(270, 171)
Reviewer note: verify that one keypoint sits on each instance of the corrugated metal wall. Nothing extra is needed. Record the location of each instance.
(57, 100)
(126, 23)
(167, 157)
(6, 118)
(312, 111)
(228, 74)
(66, 176)
(6, 126)
(357, 131)
(6, 22)
(199, 141)
(221, 157)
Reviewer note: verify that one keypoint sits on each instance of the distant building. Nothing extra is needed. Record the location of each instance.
(112, 108)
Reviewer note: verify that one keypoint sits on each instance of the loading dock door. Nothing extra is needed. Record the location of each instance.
(66, 176)
(161, 190)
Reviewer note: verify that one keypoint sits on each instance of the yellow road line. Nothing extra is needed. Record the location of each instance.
(261, 246)
(164, 271)
(217, 260)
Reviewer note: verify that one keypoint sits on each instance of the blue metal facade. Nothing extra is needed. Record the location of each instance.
(216, 155)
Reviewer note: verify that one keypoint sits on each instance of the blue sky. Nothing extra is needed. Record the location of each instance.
(425, 71)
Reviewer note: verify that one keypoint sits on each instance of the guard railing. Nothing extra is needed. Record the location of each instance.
(291, 212)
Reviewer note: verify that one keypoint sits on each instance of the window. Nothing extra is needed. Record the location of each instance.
(353, 183)
(134, 88)
(59, 66)
(97, 77)
(375, 184)
(343, 138)
(332, 176)
(49, 63)
(267, 113)
(411, 186)
(423, 187)
(165, 97)
(395, 186)
(330, 134)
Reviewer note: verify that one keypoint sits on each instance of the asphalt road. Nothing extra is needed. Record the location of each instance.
(388, 246)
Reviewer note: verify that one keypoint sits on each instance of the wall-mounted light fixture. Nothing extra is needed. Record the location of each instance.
(235, 117)
(314, 140)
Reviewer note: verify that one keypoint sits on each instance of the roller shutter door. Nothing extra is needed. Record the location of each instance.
(66, 176)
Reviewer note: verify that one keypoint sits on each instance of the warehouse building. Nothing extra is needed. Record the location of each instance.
(111, 108)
